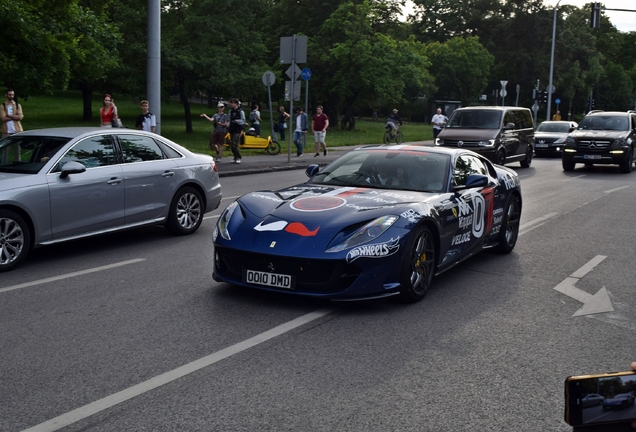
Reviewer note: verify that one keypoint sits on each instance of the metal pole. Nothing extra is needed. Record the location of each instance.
(291, 99)
(153, 71)
(552, 61)
(271, 113)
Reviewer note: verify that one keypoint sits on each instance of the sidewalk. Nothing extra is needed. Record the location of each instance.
(281, 162)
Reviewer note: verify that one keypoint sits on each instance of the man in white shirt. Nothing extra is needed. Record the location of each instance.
(438, 120)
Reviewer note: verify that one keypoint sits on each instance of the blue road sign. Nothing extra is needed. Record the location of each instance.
(557, 101)
(305, 74)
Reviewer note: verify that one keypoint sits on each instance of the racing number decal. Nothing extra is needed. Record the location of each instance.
(478, 218)
(489, 198)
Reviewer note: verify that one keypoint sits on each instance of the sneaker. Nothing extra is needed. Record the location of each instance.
(238, 161)
(218, 159)
(317, 154)
(325, 152)
(299, 155)
(233, 161)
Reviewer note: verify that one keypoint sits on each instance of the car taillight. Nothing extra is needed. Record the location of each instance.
(214, 167)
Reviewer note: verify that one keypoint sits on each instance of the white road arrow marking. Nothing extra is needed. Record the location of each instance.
(592, 304)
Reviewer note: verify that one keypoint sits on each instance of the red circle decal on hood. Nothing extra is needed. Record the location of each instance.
(318, 203)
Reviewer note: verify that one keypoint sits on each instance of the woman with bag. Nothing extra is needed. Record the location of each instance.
(108, 113)
(282, 122)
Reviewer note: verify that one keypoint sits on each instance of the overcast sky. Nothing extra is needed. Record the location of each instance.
(623, 21)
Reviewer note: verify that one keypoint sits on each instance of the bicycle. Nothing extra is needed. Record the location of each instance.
(389, 136)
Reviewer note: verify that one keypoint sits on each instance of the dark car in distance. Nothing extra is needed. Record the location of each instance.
(501, 134)
(603, 137)
(550, 137)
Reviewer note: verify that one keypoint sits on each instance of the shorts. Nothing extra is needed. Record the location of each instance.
(218, 138)
(319, 137)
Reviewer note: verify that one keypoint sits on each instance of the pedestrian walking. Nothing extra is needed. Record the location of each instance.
(282, 122)
(319, 125)
(220, 121)
(11, 115)
(146, 121)
(236, 126)
(300, 132)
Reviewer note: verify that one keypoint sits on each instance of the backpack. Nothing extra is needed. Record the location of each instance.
(253, 116)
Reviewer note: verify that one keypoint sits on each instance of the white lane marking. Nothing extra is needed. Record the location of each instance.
(232, 197)
(211, 217)
(535, 223)
(70, 275)
(572, 178)
(588, 267)
(615, 189)
(151, 384)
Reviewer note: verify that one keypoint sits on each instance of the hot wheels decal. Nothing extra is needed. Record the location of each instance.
(379, 250)
(412, 215)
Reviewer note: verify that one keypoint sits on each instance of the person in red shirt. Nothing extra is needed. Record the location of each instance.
(108, 112)
(319, 125)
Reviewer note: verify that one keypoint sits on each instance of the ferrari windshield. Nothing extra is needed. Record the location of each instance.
(475, 119)
(554, 127)
(386, 169)
(27, 154)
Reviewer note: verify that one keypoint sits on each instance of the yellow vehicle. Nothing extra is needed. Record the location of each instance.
(253, 142)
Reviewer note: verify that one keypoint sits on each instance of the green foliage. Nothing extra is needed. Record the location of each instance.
(461, 66)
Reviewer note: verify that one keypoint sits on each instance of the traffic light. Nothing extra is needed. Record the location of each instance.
(595, 19)
(544, 97)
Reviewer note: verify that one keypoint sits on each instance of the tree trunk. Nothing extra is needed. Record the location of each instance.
(184, 100)
(87, 101)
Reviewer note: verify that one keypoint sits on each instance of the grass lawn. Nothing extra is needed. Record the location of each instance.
(65, 109)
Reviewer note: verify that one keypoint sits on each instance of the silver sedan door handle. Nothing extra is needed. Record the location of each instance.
(114, 181)
(167, 174)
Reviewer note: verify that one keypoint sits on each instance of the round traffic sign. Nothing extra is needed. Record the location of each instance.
(305, 74)
(557, 101)
(269, 78)
(503, 92)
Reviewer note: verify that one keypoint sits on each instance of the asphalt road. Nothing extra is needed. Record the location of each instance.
(129, 332)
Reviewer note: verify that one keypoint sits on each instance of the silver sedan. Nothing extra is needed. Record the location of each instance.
(68, 183)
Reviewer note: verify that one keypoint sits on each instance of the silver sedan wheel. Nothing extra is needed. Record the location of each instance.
(11, 241)
(186, 212)
(15, 239)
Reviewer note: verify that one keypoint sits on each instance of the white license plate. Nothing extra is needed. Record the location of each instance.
(268, 279)
(542, 145)
(591, 156)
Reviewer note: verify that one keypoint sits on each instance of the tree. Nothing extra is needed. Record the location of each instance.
(212, 45)
(357, 65)
(461, 67)
(40, 52)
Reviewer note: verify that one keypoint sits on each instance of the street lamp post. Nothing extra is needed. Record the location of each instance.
(552, 61)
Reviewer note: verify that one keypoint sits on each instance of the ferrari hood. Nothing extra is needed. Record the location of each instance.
(317, 213)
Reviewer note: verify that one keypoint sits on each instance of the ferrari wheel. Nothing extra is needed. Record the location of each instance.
(510, 227)
(186, 212)
(15, 240)
(418, 265)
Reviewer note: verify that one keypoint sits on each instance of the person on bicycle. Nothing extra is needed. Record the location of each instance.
(393, 121)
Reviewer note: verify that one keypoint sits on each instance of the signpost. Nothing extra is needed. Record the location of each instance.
(503, 91)
(268, 80)
(293, 50)
(305, 74)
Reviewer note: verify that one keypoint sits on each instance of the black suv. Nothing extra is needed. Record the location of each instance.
(603, 137)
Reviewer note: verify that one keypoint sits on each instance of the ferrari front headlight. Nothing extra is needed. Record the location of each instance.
(368, 232)
(224, 220)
